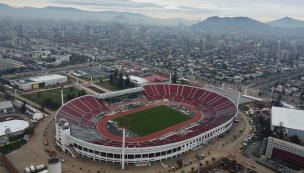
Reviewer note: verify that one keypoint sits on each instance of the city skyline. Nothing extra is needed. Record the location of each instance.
(193, 10)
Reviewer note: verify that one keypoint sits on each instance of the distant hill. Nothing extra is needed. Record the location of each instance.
(123, 19)
(231, 24)
(287, 22)
(77, 14)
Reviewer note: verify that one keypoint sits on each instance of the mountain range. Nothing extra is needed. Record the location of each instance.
(211, 23)
(287, 22)
(76, 14)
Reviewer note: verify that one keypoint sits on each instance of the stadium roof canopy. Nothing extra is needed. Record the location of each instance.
(291, 118)
(120, 93)
(13, 126)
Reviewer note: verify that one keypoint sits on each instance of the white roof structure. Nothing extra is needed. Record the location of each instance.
(119, 93)
(137, 79)
(46, 78)
(13, 125)
(38, 116)
(291, 118)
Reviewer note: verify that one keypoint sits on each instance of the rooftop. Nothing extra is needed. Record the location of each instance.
(6, 105)
(292, 118)
(13, 125)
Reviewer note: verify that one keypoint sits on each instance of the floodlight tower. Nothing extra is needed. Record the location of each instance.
(62, 85)
(124, 124)
(200, 154)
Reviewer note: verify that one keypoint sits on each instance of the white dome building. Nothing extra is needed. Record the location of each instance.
(38, 116)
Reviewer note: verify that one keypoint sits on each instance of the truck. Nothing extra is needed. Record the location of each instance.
(53, 153)
(27, 170)
(32, 168)
(50, 153)
(40, 167)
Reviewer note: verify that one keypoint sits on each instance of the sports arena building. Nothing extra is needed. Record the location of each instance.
(81, 124)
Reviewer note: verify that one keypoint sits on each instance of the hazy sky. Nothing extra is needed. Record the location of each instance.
(262, 10)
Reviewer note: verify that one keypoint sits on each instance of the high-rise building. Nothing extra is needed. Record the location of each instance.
(220, 45)
(203, 44)
(17, 42)
(122, 34)
(283, 55)
(19, 30)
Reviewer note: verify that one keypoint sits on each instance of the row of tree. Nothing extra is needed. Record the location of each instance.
(278, 130)
(118, 80)
(73, 95)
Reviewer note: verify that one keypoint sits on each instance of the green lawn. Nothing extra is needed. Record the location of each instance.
(96, 79)
(107, 85)
(96, 89)
(149, 121)
(256, 154)
(6, 148)
(54, 94)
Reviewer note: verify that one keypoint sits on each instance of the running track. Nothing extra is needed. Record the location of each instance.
(101, 126)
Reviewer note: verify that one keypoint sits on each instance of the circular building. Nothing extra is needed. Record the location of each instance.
(87, 126)
(54, 165)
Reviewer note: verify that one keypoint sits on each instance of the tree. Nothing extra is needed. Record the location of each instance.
(251, 77)
(38, 94)
(23, 108)
(69, 96)
(213, 159)
(224, 66)
(192, 168)
(71, 89)
(207, 162)
(179, 162)
(127, 81)
(42, 108)
(111, 79)
(280, 129)
(115, 76)
(2, 88)
(120, 82)
(100, 80)
(174, 79)
(295, 139)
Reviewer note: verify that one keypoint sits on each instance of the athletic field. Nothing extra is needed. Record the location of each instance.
(149, 121)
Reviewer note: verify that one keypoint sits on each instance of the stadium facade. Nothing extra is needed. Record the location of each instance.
(76, 123)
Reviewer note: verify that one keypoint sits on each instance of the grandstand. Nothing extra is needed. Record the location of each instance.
(82, 122)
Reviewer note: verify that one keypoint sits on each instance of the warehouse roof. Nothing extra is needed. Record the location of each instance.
(291, 118)
(13, 126)
(6, 105)
(46, 77)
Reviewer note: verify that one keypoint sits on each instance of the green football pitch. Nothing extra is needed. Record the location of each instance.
(149, 121)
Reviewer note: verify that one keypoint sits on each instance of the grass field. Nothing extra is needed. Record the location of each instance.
(6, 148)
(149, 121)
(96, 89)
(54, 94)
(107, 85)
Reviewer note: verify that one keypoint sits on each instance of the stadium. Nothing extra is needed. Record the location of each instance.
(166, 120)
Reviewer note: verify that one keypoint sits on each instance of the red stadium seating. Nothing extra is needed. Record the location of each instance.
(218, 110)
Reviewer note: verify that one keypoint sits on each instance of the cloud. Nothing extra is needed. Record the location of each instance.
(113, 3)
(196, 10)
